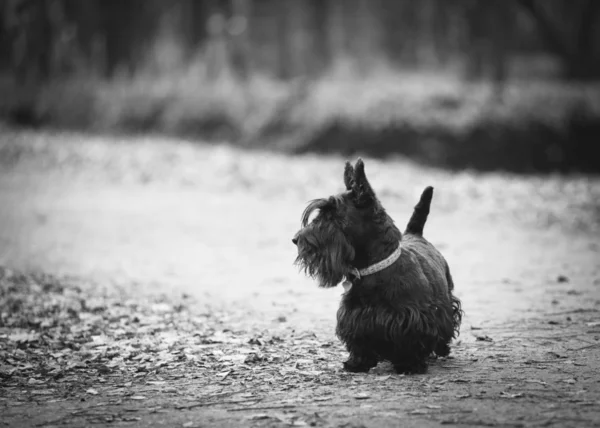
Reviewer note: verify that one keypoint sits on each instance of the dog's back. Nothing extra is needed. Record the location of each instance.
(417, 251)
(433, 264)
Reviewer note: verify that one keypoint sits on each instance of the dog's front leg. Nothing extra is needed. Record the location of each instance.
(360, 360)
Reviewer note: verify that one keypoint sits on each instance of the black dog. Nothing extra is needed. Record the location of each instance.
(399, 304)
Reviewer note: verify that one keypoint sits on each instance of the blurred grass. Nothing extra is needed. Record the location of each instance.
(435, 119)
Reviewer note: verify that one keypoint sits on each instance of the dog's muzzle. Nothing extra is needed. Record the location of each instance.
(295, 238)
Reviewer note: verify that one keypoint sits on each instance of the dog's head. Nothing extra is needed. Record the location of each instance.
(328, 241)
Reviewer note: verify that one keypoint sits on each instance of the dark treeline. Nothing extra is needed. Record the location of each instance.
(41, 39)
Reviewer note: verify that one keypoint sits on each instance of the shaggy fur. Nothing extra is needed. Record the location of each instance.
(404, 313)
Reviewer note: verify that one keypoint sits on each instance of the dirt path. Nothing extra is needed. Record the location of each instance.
(193, 242)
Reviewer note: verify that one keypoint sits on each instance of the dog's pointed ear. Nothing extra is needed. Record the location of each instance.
(361, 187)
(348, 176)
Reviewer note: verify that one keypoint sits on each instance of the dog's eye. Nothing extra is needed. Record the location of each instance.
(313, 216)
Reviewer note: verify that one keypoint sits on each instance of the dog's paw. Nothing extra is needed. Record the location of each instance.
(442, 349)
(419, 368)
(354, 367)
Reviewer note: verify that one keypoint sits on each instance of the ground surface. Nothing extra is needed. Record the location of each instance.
(150, 283)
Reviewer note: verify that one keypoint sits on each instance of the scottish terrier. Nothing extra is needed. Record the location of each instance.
(398, 304)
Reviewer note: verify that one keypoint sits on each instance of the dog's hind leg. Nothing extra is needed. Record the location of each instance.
(445, 326)
(442, 348)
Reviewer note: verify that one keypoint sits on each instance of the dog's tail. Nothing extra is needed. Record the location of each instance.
(419, 217)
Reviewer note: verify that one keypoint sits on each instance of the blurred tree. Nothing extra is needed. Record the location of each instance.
(30, 33)
(239, 31)
(320, 46)
(216, 43)
(85, 17)
(117, 20)
(337, 34)
(501, 39)
(476, 14)
(366, 40)
(284, 49)
(488, 36)
(570, 30)
(195, 15)
(400, 26)
(291, 38)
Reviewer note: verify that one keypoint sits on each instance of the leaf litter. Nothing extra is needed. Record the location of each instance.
(61, 341)
(58, 338)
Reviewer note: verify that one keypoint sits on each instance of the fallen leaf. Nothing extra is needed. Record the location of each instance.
(7, 370)
(23, 337)
(541, 382)
(418, 412)
(252, 358)
(361, 396)
(507, 395)
(223, 375)
(322, 398)
(76, 365)
(258, 416)
(161, 308)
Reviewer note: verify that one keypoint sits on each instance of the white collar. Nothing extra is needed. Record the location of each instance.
(377, 267)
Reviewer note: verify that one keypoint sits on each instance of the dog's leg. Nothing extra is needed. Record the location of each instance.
(410, 354)
(350, 330)
(446, 324)
(409, 362)
(414, 367)
(360, 360)
(442, 349)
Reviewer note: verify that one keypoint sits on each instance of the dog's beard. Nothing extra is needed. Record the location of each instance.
(325, 256)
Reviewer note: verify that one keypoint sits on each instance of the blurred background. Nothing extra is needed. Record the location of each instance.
(503, 84)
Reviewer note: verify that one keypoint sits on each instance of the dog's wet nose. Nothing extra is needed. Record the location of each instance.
(295, 240)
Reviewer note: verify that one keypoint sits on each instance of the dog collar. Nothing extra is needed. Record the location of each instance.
(377, 267)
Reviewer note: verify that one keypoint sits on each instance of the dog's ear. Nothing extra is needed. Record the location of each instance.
(361, 188)
(348, 176)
